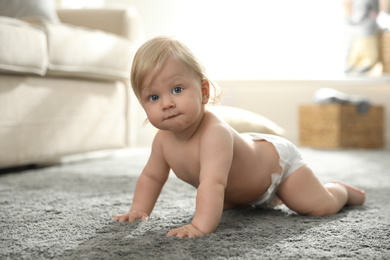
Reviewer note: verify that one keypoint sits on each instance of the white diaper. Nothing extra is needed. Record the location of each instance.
(289, 159)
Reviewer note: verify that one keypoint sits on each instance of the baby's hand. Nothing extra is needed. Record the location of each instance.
(185, 231)
(131, 216)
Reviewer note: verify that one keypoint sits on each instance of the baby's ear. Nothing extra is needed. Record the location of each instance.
(205, 91)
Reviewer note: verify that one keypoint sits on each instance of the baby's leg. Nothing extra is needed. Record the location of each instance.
(304, 193)
(355, 196)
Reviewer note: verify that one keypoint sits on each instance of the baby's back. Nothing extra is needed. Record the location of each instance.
(252, 166)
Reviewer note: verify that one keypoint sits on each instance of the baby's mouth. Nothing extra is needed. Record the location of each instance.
(172, 116)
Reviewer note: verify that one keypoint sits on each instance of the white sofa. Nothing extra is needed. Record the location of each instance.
(64, 86)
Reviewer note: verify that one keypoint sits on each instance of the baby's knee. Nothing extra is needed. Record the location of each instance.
(324, 209)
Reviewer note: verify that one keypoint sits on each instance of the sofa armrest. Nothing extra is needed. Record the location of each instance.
(123, 22)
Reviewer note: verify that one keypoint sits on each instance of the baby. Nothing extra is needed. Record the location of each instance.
(227, 168)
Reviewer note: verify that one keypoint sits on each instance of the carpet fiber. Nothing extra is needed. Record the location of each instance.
(65, 212)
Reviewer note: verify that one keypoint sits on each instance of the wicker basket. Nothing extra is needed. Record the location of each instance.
(385, 51)
(341, 126)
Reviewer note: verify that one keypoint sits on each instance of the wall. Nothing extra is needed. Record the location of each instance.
(250, 39)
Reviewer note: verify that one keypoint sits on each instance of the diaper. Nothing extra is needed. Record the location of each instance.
(289, 159)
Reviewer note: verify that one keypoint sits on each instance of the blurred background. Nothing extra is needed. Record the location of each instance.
(250, 39)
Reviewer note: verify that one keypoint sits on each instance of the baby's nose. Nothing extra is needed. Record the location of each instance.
(168, 102)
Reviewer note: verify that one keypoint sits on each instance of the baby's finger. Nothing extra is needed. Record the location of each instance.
(117, 217)
(192, 235)
(182, 234)
(145, 217)
(172, 233)
(132, 218)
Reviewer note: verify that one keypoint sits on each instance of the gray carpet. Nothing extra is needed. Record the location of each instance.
(65, 212)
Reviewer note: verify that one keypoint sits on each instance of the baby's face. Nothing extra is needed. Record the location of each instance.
(174, 99)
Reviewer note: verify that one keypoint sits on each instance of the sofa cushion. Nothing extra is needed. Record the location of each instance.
(29, 9)
(80, 52)
(23, 47)
(42, 119)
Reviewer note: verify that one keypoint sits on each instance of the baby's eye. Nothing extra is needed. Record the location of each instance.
(153, 98)
(177, 90)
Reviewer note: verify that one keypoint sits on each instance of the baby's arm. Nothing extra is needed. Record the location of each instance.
(209, 207)
(149, 186)
(216, 158)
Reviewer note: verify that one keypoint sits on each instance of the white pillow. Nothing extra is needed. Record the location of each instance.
(23, 47)
(246, 121)
(29, 10)
(80, 52)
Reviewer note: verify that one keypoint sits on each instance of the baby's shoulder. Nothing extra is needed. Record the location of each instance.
(161, 138)
(216, 129)
(216, 123)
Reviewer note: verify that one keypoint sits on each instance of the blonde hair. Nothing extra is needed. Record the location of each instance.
(152, 55)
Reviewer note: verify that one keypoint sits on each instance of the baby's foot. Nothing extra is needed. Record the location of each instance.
(355, 195)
